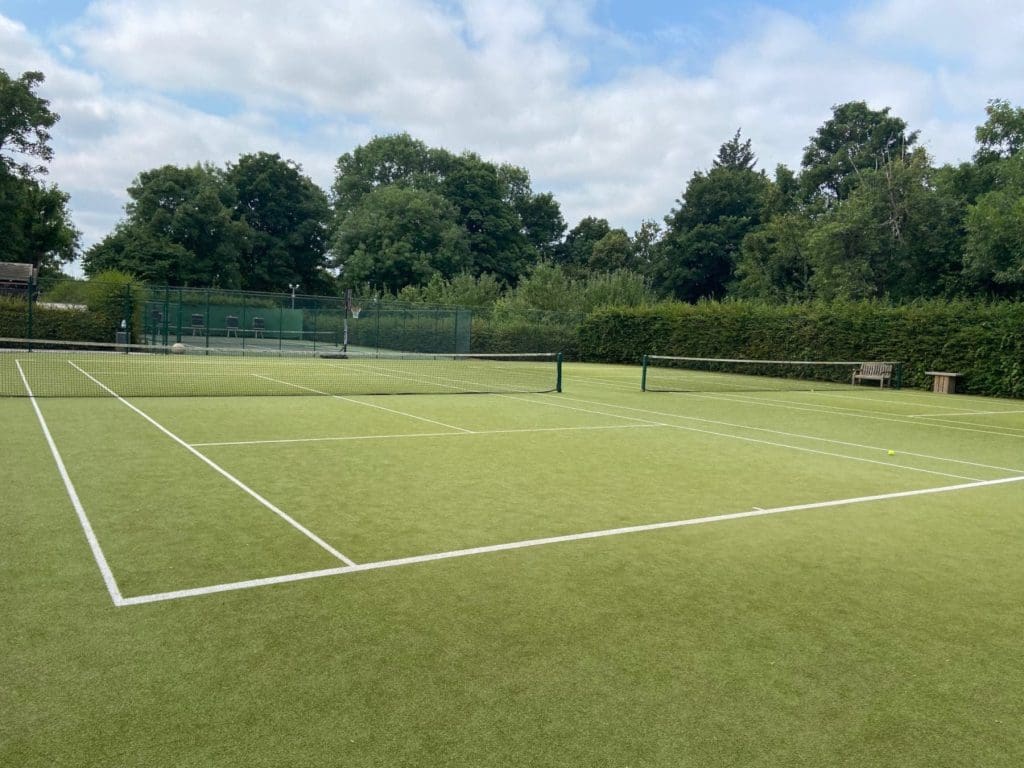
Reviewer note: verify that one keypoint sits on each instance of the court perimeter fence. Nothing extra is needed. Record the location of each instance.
(128, 312)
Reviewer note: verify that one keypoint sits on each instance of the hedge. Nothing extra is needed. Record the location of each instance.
(982, 341)
(52, 322)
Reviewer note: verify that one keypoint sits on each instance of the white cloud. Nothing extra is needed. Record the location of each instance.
(182, 81)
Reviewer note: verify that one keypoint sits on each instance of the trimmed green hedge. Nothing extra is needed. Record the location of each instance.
(982, 341)
(52, 323)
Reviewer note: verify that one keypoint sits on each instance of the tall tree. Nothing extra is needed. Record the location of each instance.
(856, 138)
(287, 216)
(612, 252)
(894, 237)
(576, 251)
(398, 236)
(35, 224)
(496, 241)
(25, 120)
(697, 256)
(398, 159)
(994, 254)
(735, 154)
(774, 263)
(1002, 134)
(179, 229)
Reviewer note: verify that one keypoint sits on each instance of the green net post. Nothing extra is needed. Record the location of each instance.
(897, 375)
(643, 375)
(558, 372)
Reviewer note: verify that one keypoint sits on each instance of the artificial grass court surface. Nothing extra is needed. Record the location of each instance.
(882, 632)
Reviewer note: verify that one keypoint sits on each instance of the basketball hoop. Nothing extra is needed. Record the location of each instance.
(355, 312)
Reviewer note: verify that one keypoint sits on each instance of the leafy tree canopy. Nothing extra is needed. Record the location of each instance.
(287, 216)
(1002, 135)
(854, 139)
(25, 120)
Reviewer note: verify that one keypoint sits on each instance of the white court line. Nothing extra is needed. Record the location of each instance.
(478, 433)
(755, 440)
(856, 413)
(402, 561)
(795, 434)
(90, 534)
(958, 415)
(368, 405)
(220, 470)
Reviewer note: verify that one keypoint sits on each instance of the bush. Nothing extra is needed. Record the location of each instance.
(983, 341)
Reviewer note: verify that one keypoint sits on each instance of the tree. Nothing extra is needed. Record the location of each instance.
(612, 252)
(1002, 135)
(774, 263)
(735, 154)
(645, 245)
(540, 216)
(385, 160)
(855, 139)
(697, 256)
(179, 229)
(25, 120)
(994, 253)
(579, 244)
(507, 227)
(287, 217)
(895, 236)
(497, 244)
(35, 224)
(398, 236)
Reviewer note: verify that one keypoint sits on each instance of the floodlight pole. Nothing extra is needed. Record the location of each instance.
(294, 287)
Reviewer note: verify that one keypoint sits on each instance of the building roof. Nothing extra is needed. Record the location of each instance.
(15, 272)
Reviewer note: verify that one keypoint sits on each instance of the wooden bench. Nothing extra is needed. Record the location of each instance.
(880, 372)
(943, 382)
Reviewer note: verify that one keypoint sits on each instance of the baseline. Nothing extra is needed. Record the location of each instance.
(416, 559)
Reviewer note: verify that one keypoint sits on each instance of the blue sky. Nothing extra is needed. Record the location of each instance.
(610, 105)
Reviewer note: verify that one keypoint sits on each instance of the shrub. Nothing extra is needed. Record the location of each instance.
(983, 341)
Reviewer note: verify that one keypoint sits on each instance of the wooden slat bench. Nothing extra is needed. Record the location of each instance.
(880, 372)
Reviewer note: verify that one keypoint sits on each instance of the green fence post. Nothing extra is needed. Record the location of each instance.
(31, 301)
(178, 334)
(127, 312)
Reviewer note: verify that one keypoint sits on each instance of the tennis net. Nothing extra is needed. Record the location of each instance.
(662, 373)
(68, 369)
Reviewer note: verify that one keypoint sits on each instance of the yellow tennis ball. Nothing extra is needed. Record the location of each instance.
(892, 452)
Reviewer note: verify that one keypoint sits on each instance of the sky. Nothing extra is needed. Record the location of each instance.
(611, 105)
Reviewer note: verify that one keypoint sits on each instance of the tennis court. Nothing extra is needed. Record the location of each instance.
(591, 576)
